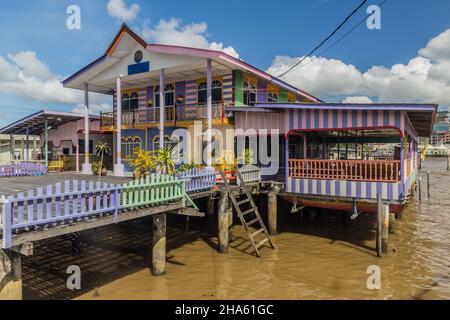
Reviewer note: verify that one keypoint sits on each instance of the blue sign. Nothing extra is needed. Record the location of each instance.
(138, 68)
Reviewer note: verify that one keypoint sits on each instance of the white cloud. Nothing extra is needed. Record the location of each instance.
(425, 78)
(118, 9)
(23, 75)
(357, 99)
(174, 32)
(93, 108)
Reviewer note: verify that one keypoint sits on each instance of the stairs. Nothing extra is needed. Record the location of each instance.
(249, 215)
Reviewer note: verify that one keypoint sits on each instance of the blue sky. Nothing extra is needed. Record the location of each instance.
(258, 30)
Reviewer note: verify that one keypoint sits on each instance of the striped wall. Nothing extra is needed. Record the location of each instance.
(261, 91)
(346, 189)
(260, 120)
(307, 119)
(191, 92)
(228, 89)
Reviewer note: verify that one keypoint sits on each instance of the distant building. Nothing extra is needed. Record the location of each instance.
(18, 149)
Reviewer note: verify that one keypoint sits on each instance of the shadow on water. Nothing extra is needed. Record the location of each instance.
(110, 253)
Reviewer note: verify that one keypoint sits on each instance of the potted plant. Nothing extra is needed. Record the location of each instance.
(143, 162)
(164, 160)
(102, 149)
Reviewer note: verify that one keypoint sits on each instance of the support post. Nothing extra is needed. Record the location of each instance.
(448, 162)
(210, 208)
(77, 157)
(22, 149)
(35, 149)
(223, 221)
(230, 221)
(12, 147)
(119, 169)
(10, 275)
(27, 134)
(46, 142)
(379, 223)
(87, 167)
(428, 184)
(385, 229)
(272, 212)
(162, 109)
(159, 245)
(209, 112)
(392, 228)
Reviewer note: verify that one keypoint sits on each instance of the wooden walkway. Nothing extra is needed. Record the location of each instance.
(14, 185)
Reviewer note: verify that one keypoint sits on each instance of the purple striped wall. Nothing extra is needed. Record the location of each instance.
(262, 91)
(228, 89)
(191, 92)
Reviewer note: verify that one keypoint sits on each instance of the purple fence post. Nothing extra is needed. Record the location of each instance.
(117, 205)
(5, 208)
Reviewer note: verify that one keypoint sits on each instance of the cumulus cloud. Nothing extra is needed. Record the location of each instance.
(357, 99)
(118, 9)
(23, 75)
(425, 78)
(174, 32)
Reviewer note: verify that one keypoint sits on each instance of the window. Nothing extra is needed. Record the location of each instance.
(169, 96)
(216, 92)
(129, 146)
(272, 97)
(130, 101)
(249, 93)
(81, 146)
(173, 142)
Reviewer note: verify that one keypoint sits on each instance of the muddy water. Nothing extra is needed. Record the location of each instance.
(324, 256)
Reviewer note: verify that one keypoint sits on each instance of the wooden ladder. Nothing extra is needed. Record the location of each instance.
(249, 216)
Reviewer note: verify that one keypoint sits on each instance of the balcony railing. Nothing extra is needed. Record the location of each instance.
(350, 170)
(173, 114)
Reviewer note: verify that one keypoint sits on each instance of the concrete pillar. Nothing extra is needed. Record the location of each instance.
(119, 169)
(46, 142)
(10, 275)
(223, 223)
(162, 109)
(159, 244)
(210, 207)
(22, 149)
(209, 112)
(87, 167)
(34, 149)
(77, 157)
(272, 212)
(27, 134)
(12, 147)
(379, 225)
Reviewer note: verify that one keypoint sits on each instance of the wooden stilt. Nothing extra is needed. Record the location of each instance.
(272, 212)
(385, 229)
(230, 221)
(10, 275)
(223, 222)
(379, 223)
(210, 208)
(159, 245)
(392, 223)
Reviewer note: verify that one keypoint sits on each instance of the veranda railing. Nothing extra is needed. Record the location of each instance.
(18, 169)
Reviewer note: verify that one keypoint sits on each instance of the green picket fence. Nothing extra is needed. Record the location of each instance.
(154, 190)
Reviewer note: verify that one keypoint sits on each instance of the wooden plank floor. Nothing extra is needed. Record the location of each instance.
(14, 185)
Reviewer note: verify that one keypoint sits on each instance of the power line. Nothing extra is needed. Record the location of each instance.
(326, 39)
(341, 38)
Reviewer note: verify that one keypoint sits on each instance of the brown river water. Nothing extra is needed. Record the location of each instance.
(325, 256)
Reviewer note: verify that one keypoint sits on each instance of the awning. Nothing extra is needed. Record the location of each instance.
(36, 122)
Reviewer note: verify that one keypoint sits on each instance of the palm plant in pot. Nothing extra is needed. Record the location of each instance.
(101, 149)
(143, 163)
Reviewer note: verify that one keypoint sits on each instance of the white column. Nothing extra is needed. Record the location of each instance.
(34, 149)
(162, 109)
(77, 157)
(87, 168)
(27, 133)
(119, 169)
(209, 112)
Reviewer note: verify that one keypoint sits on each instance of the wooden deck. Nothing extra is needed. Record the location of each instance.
(13, 185)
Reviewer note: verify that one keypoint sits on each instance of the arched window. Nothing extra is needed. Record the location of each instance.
(130, 101)
(216, 93)
(129, 146)
(272, 97)
(169, 96)
(172, 142)
(249, 91)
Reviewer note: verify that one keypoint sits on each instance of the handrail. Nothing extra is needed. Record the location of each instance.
(351, 170)
(186, 112)
(74, 200)
(23, 169)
